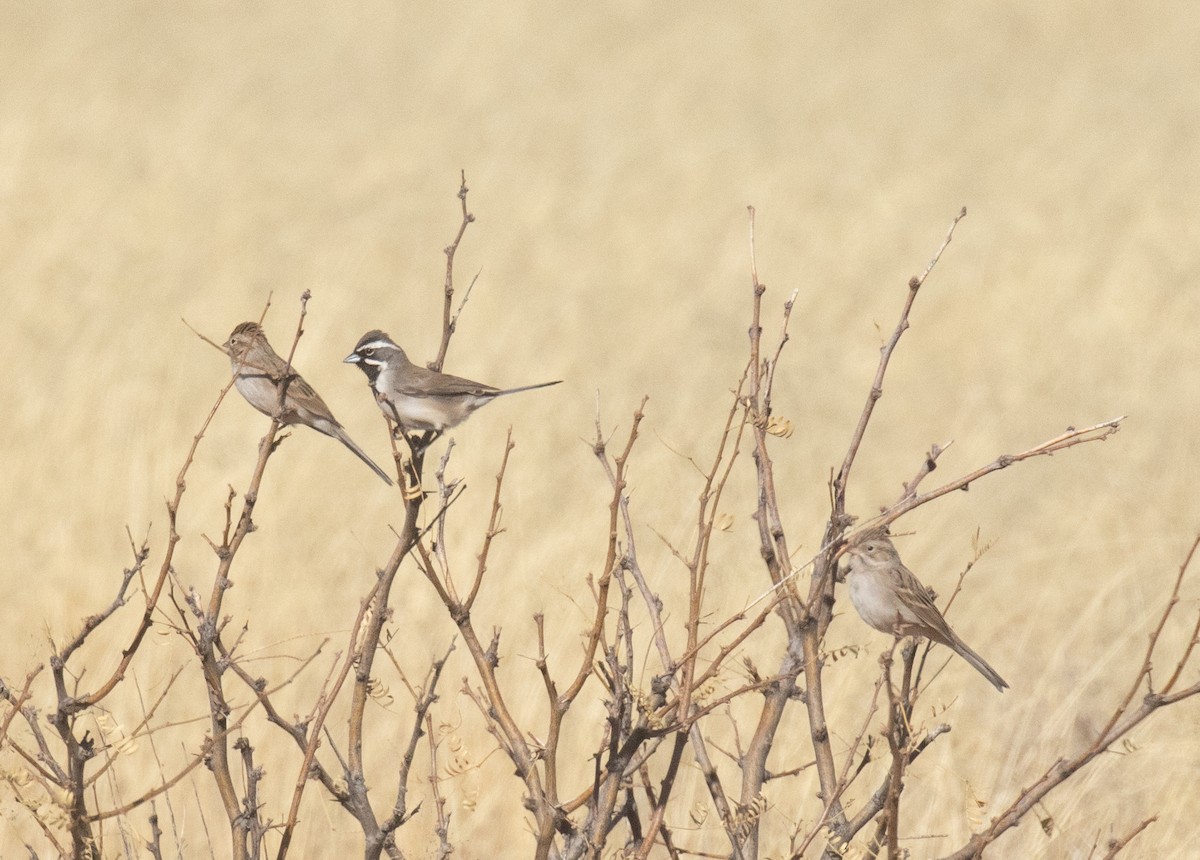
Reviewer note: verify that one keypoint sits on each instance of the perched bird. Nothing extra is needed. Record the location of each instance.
(890, 598)
(260, 371)
(417, 398)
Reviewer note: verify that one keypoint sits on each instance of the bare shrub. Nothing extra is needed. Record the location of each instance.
(673, 679)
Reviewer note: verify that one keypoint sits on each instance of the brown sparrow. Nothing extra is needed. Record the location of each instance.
(890, 598)
(414, 397)
(259, 373)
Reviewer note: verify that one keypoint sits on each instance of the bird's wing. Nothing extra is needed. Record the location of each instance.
(305, 397)
(301, 396)
(916, 597)
(420, 381)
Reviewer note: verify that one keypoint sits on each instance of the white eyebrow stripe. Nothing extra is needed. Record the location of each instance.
(377, 344)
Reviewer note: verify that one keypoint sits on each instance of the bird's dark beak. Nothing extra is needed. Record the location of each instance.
(352, 358)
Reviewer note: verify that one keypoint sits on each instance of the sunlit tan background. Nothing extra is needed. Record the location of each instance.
(168, 161)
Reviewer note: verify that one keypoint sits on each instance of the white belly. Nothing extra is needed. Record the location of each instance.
(429, 413)
(874, 601)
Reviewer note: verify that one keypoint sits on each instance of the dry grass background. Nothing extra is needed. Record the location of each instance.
(164, 161)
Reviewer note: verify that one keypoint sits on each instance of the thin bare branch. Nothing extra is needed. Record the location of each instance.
(1116, 846)
(449, 322)
(914, 284)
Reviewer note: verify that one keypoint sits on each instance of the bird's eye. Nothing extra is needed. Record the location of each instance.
(368, 350)
(870, 547)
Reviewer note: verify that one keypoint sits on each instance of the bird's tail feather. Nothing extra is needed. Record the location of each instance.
(527, 387)
(979, 663)
(344, 437)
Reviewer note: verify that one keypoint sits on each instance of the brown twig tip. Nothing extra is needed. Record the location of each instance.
(1115, 845)
(211, 343)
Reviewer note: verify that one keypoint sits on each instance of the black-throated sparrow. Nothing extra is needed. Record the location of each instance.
(417, 398)
(260, 371)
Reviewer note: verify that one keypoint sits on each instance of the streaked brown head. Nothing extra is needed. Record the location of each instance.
(244, 336)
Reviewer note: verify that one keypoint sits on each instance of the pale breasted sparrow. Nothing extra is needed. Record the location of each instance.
(890, 598)
(260, 371)
(417, 398)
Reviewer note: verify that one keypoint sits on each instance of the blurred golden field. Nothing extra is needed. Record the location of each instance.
(160, 162)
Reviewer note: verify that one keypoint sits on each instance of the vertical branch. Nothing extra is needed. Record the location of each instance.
(424, 701)
(308, 735)
(770, 525)
(622, 737)
(885, 356)
(377, 837)
(253, 775)
(655, 826)
(442, 827)
(899, 715)
(445, 493)
(596, 633)
(706, 512)
(154, 844)
(493, 527)
(448, 322)
(802, 637)
(356, 774)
